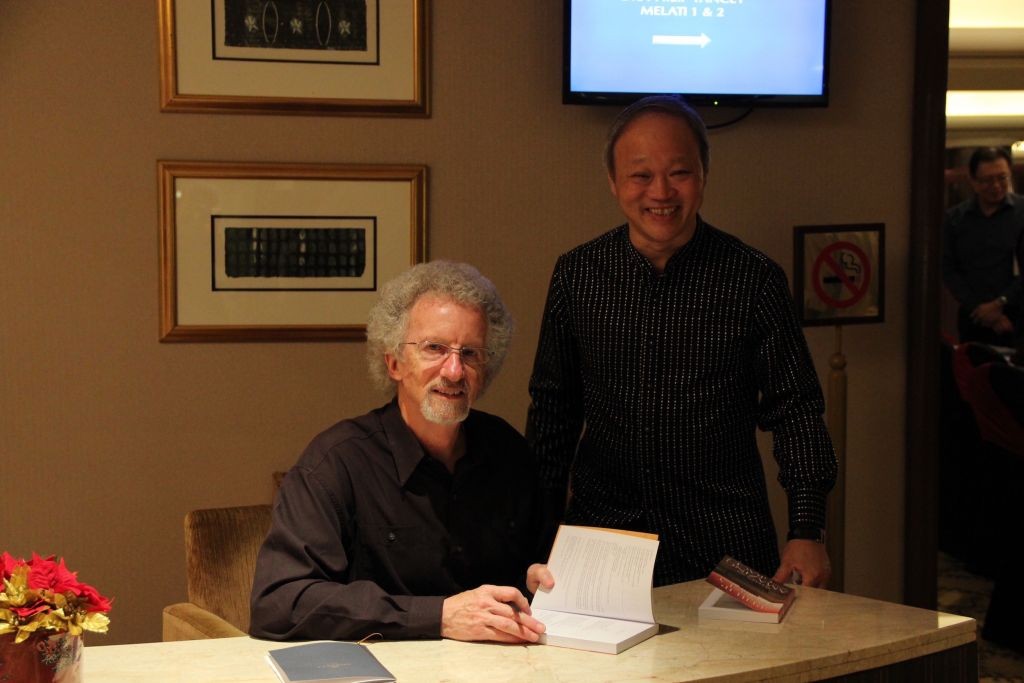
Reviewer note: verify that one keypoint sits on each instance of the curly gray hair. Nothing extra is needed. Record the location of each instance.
(459, 282)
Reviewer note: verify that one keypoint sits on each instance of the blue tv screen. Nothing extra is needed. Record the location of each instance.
(712, 52)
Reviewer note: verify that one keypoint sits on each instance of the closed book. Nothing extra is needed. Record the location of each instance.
(328, 663)
(753, 589)
(719, 605)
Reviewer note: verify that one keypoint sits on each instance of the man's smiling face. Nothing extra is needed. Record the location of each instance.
(440, 392)
(658, 181)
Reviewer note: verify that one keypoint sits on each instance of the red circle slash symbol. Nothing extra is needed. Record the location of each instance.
(844, 264)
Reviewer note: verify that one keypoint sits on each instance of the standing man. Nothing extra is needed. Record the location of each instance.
(400, 522)
(665, 343)
(979, 239)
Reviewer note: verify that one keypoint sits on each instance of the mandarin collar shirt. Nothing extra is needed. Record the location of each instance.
(648, 389)
(370, 534)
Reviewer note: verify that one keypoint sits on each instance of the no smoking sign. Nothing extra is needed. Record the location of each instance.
(838, 273)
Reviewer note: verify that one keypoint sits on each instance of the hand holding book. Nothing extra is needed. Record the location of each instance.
(601, 598)
(808, 560)
(538, 576)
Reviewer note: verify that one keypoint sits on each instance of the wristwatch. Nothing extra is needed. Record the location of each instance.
(806, 533)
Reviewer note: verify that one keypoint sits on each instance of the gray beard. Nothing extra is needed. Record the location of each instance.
(442, 412)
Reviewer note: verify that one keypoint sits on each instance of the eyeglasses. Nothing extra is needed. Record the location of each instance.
(436, 352)
(1000, 179)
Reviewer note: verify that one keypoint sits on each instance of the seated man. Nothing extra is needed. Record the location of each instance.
(417, 519)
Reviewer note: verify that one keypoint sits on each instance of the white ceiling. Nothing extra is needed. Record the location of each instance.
(986, 26)
(986, 53)
(986, 14)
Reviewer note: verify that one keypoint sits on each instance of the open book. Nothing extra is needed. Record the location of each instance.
(602, 595)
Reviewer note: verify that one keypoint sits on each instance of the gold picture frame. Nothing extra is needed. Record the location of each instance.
(282, 251)
(209, 65)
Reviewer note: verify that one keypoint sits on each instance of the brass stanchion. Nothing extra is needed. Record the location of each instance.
(835, 417)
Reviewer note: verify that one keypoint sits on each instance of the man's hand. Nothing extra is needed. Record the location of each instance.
(539, 576)
(988, 313)
(498, 613)
(809, 559)
(1002, 325)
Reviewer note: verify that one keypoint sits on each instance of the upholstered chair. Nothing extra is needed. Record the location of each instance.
(220, 556)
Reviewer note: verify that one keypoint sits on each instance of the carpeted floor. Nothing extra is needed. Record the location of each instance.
(964, 593)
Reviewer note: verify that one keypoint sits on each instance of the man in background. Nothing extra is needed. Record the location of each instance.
(979, 240)
(665, 343)
(418, 519)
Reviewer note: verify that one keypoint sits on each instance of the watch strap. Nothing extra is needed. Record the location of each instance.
(806, 533)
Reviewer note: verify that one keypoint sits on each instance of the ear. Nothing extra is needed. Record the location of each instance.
(611, 186)
(394, 370)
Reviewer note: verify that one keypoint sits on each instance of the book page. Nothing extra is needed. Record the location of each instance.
(601, 572)
(586, 627)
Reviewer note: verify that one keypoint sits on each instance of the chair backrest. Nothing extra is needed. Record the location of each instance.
(221, 545)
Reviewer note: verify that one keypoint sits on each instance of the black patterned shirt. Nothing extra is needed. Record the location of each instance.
(649, 388)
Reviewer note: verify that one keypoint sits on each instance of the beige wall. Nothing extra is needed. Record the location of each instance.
(108, 437)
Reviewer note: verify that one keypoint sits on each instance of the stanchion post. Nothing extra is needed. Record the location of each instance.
(835, 417)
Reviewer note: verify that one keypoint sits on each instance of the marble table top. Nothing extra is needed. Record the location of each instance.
(825, 634)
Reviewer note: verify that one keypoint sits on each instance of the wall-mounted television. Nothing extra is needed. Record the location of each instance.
(712, 52)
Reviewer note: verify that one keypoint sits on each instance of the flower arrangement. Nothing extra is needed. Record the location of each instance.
(42, 594)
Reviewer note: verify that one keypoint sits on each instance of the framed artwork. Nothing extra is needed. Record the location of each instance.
(839, 273)
(267, 252)
(347, 57)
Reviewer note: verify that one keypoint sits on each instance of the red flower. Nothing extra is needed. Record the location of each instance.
(44, 593)
(50, 575)
(28, 611)
(7, 564)
(93, 601)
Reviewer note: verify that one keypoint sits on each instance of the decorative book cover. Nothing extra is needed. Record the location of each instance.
(753, 589)
(333, 662)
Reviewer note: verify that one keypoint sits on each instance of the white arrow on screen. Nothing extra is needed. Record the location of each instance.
(701, 40)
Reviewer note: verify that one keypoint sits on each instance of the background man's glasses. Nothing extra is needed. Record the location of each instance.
(436, 352)
(1001, 179)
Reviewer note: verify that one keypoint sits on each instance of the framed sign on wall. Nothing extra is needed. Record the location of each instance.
(839, 273)
(346, 57)
(271, 252)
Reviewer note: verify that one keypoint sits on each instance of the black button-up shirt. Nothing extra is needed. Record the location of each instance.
(370, 534)
(978, 252)
(651, 386)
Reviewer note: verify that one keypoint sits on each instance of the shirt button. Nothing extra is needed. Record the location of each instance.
(391, 537)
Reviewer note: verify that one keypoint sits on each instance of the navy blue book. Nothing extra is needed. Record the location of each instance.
(328, 663)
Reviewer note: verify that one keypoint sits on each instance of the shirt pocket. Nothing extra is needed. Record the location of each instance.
(404, 559)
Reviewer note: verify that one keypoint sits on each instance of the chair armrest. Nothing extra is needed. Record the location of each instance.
(185, 621)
